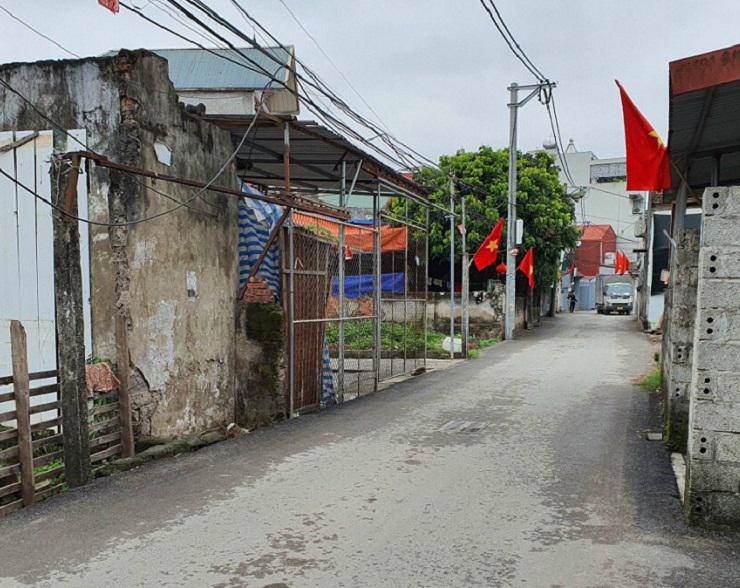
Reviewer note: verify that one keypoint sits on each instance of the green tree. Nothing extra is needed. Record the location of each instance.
(542, 203)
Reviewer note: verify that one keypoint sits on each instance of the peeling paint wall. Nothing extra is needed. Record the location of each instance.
(175, 277)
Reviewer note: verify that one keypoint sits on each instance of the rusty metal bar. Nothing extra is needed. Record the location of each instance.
(290, 201)
(270, 240)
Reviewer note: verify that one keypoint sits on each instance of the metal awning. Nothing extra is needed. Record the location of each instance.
(315, 158)
(704, 119)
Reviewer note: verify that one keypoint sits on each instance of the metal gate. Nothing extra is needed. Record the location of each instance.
(403, 306)
(356, 305)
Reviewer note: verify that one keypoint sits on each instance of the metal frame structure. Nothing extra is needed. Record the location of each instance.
(305, 161)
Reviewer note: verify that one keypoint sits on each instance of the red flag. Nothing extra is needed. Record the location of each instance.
(488, 251)
(648, 161)
(501, 268)
(527, 266)
(618, 263)
(111, 5)
(625, 264)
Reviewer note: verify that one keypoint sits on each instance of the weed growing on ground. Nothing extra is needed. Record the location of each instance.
(653, 381)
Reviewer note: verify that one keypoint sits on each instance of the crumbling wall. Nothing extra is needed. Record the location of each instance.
(678, 340)
(713, 457)
(175, 277)
(178, 278)
(260, 364)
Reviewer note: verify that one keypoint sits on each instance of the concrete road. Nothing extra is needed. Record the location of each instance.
(527, 466)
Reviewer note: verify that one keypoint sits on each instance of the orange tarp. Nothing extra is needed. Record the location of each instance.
(359, 239)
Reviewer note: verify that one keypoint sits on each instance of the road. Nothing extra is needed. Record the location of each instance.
(526, 466)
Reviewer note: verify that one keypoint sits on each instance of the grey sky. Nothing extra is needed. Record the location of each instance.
(436, 70)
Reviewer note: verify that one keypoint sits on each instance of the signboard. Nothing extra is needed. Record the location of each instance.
(705, 70)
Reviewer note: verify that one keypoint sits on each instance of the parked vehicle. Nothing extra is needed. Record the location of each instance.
(614, 294)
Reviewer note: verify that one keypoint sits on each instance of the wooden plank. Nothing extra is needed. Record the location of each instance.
(49, 492)
(7, 397)
(102, 425)
(9, 470)
(12, 507)
(103, 439)
(43, 375)
(48, 389)
(4, 380)
(124, 398)
(7, 416)
(8, 454)
(53, 440)
(102, 409)
(10, 489)
(106, 453)
(48, 458)
(18, 352)
(6, 435)
(47, 406)
(49, 474)
(43, 425)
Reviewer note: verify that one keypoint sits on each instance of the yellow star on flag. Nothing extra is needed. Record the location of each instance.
(655, 134)
(492, 245)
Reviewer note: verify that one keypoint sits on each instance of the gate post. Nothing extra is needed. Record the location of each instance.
(23, 410)
(70, 323)
(377, 355)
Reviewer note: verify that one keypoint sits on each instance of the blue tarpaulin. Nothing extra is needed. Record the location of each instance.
(364, 284)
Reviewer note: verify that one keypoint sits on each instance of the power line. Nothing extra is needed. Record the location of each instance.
(39, 33)
(330, 60)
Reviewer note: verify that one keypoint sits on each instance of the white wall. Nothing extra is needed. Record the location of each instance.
(27, 255)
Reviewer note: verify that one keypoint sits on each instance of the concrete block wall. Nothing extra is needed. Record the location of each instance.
(713, 456)
(678, 340)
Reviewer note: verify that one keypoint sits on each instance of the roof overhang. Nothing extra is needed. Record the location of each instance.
(317, 157)
(704, 119)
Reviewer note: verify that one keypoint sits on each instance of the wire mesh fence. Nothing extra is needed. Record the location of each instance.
(356, 305)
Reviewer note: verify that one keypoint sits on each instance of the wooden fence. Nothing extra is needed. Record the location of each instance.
(32, 454)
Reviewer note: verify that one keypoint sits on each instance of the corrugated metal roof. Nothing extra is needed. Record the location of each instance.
(197, 69)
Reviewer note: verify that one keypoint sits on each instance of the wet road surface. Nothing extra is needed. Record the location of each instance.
(527, 466)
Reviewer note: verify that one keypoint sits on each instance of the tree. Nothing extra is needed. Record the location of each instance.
(542, 203)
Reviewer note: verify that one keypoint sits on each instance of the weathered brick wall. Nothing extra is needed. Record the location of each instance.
(713, 475)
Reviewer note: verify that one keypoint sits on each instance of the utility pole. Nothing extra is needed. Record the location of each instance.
(514, 106)
(465, 296)
(452, 268)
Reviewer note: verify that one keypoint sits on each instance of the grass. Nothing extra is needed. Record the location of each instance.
(358, 335)
(652, 381)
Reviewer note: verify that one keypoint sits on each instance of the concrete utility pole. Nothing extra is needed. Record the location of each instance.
(452, 268)
(465, 296)
(514, 106)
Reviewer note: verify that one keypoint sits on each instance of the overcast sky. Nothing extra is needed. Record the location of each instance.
(436, 70)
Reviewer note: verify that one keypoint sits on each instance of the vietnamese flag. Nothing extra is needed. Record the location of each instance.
(111, 5)
(488, 251)
(618, 263)
(648, 161)
(527, 266)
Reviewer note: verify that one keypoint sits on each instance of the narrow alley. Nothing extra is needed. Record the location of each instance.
(526, 466)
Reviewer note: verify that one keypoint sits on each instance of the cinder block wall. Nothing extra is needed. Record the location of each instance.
(713, 458)
(678, 340)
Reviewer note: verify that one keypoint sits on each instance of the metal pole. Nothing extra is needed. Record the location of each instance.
(465, 297)
(426, 284)
(510, 302)
(291, 306)
(452, 269)
(377, 356)
(340, 350)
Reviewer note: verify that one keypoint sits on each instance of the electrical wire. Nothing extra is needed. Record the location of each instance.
(39, 33)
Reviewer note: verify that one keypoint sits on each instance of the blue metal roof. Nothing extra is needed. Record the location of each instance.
(200, 69)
